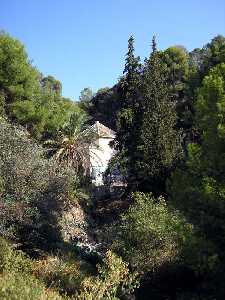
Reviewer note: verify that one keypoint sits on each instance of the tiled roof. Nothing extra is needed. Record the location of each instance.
(104, 131)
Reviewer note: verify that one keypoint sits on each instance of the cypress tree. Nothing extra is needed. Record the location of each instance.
(161, 143)
(127, 130)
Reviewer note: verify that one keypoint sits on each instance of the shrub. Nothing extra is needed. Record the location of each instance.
(22, 287)
(25, 279)
(113, 281)
(33, 190)
(16, 279)
(13, 261)
(64, 273)
(150, 233)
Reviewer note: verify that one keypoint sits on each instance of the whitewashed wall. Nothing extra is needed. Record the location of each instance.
(100, 154)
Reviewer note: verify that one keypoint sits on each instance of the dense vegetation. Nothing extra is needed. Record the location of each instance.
(165, 238)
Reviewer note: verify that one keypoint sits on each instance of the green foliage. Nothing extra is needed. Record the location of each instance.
(152, 234)
(128, 114)
(45, 117)
(51, 85)
(62, 272)
(2, 104)
(113, 280)
(172, 90)
(161, 143)
(85, 99)
(210, 106)
(25, 96)
(72, 146)
(33, 190)
(17, 281)
(198, 189)
(18, 78)
(177, 69)
(148, 143)
(13, 261)
(105, 105)
(209, 56)
(23, 279)
(22, 287)
(200, 62)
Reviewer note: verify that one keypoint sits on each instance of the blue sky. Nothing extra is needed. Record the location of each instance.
(83, 42)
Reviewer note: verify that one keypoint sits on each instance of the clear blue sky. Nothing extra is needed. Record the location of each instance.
(83, 42)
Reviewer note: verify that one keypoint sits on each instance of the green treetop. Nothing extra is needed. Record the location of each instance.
(161, 142)
(127, 125)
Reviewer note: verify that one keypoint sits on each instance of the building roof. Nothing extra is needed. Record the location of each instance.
(103, 131)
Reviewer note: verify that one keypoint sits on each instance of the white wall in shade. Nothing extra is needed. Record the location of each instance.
(100, 154)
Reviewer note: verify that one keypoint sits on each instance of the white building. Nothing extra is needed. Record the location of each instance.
(101, 152)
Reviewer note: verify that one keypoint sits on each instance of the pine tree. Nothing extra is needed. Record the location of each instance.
(127, 129)
(161, 143)
(197, 189)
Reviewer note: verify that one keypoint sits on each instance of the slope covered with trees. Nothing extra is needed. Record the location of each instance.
(165, 238)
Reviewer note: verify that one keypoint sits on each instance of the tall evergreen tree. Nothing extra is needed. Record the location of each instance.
(104, 106)
(85, 98)
(161, 142)
(176, 60)
(198, 187)
(127, 129)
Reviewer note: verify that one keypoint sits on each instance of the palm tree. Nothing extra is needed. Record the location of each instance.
(72, 147)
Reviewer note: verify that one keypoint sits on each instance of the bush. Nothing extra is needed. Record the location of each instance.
(33, 190)
(17, 281)
(25, 279)
(198, 190)
(113, 281)
(151, 234)
(63, 272)
(18, 287)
